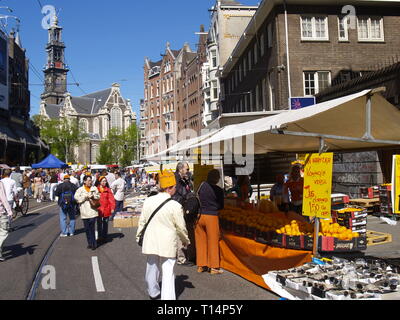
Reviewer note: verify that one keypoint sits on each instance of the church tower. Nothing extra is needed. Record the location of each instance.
(55, 70)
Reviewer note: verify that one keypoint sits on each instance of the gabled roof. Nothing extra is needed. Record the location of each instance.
(53, 110)
(155, 64)
(100, 98)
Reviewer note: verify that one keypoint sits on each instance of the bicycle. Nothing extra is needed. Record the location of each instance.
(21, 207)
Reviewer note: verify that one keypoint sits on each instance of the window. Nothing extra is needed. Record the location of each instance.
(370, 29)
(116, 118)
(314, 28)
(315, 82)
(95, 152)
(240, 72)
(244, 66)
(84, 125)
(214, 90)
(214, 58)
(96, 126)
(257, 98)
(105, 127)
(343, 31)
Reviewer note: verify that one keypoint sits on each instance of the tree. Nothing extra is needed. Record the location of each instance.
(119, 147)
(62, 134)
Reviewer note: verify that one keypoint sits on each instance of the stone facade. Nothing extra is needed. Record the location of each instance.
(96, 114)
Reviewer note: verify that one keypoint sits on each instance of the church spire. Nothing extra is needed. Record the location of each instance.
(55, 69)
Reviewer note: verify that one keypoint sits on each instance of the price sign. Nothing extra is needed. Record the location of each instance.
(396, 183)
(318, 185)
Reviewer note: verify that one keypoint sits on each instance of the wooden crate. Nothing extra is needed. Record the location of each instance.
(376, 238)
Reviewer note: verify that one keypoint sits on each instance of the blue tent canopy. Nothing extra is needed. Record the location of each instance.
(51, 162)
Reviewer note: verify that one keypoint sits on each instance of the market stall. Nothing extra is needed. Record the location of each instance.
(362, 121)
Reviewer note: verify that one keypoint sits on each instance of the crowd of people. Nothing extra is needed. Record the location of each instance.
(178, 225)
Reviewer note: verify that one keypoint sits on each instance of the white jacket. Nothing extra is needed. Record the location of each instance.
(164, 230)
(87, 212)
(118, 187)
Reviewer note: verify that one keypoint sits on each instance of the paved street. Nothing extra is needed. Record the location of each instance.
(115, 271)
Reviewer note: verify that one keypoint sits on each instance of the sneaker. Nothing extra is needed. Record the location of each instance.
(216, 271)
(62, 235)
(71, 234)
(2, 259)
(202, 269)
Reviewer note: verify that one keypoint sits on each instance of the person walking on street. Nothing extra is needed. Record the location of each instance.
(66, 201)
(53, 184)
(160, 238)
(183, 188)
(107, 206)
(10, 188)
(207, 232)
(26, 184)
(16, 175)
(5, 217)
(88, 198)
(118, 188)
(39, 185)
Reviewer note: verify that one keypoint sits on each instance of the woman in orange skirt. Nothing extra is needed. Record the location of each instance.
(207, 231)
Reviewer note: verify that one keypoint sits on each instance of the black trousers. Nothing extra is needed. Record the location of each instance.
(102, 227)
(90, 231)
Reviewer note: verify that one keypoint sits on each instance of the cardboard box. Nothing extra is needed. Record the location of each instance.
(126, 220)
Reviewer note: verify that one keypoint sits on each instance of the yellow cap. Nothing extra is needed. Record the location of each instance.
(167, 179)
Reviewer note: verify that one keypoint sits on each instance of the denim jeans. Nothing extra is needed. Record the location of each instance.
(65, 227)
(102, 228)
(119, 206)
(90, 225)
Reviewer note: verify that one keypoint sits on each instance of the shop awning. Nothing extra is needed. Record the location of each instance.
(181, 147)
(361, 121)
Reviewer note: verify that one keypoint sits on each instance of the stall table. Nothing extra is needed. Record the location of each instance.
(251, 260)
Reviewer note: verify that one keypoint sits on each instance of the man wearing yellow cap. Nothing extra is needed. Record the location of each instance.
(161, 237)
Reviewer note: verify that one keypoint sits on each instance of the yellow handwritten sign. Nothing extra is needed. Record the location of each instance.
(396, 184)
(318, 185)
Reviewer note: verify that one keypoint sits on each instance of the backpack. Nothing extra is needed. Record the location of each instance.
(67, 200)
(191, 205)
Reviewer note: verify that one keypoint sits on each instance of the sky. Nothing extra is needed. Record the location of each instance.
(107, 41)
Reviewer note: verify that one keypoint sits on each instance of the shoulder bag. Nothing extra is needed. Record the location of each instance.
(141, 235)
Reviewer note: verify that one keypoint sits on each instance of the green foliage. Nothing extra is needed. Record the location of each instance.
(119, 148)
(61, 134)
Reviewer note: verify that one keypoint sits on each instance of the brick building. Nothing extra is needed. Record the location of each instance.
(159, 103)
(275, 60)
(190, 102)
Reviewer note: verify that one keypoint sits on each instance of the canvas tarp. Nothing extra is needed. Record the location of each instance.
(51, 162)
(343, 117)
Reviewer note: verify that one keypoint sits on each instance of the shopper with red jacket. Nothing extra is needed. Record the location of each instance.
(107, 206)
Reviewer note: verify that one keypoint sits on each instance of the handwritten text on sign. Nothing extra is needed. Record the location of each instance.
(318, 186)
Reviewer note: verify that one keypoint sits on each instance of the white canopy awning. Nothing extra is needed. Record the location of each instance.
(365, 120)
(181, 147)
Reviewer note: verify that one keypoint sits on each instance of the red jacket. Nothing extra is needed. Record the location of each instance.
(107, 203)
